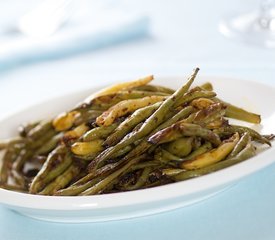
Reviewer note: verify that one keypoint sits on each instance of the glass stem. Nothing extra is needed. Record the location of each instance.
(266, 13)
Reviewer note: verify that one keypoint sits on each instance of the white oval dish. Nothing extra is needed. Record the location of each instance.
(251, 95)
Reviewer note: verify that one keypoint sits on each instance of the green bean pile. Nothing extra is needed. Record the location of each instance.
(129, 136)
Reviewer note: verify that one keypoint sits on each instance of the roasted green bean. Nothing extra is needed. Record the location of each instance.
(56, 163)
(99, 132)
(125, 127)
(247, 152)
(129, 136)
(152, 122)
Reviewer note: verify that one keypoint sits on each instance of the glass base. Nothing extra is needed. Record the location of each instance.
(249, 29)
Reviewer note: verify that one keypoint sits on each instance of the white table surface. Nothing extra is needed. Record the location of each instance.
(184, 34)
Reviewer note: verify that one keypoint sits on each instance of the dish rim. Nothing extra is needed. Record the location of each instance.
(155, 194)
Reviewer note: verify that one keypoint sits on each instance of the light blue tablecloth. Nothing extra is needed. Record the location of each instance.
(184, 35)
(107, 28)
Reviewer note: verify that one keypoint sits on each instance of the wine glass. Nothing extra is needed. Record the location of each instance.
(256, 27)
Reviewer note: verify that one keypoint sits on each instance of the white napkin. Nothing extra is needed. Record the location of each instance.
(97, 31)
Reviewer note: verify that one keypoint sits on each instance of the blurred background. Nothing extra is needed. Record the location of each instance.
(53, 47)
(73, 44)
